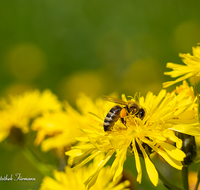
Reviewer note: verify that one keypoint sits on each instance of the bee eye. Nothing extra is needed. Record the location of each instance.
(141, 113)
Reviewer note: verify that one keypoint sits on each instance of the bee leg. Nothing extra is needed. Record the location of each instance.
(123, 121)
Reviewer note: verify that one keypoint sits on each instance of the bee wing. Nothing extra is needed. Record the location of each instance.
(115, 100)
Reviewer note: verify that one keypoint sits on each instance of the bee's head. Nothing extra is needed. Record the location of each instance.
(133, 108)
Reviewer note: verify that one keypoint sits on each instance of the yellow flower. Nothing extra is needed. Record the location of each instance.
(62, 128)
(74, 180)
(189, 91)
(58, 129)
(163, 116)
(17, 111)
(192, 67)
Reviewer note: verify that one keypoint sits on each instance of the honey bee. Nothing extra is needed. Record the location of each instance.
(121, 110)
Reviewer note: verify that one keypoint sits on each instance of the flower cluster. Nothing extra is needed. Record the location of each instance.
(16, 112)
(71, 179)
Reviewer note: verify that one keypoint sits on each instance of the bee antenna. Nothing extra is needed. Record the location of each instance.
(130, 97)
(137, 96)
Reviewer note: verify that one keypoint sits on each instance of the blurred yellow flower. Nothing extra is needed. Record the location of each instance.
(192, 67)
(17, 111)
(58, 129)
(193, 180)
(62, 128)
(163, 115)
(187, 116)
(185, 87)
(74, 180)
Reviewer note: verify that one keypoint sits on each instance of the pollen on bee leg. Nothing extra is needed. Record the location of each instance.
(123, 113)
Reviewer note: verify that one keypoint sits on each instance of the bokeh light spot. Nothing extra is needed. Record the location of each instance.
(186, 35)
(142, 76)
(25, 61)
(89, 82)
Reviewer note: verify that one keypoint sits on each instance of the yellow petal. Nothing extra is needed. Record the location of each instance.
(167, 84)
(92, 179)
(74, 152)
(156, 135)
(88, 158)
(173, 151)
(193, 130)
(151, 170)
(117, 166)
(137, 162)
(174, 163)
(171, 136)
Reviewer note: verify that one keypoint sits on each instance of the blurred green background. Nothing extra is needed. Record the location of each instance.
(96, 47)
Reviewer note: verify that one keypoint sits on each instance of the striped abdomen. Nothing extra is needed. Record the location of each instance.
(112, 116)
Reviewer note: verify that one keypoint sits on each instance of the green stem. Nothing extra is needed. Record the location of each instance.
(42, 168)
(166, 182)
(185, 177)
